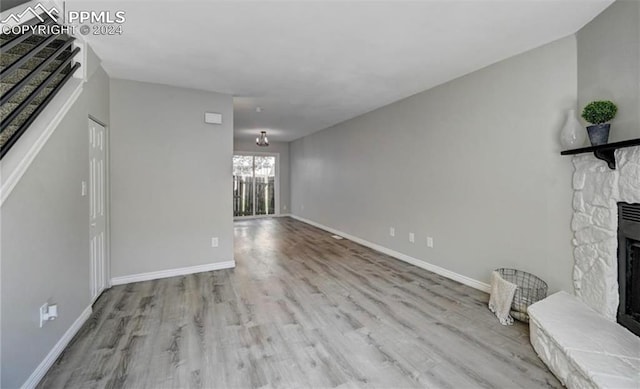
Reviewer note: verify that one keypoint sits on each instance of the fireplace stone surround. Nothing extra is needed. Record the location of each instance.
(597, 191)
(577, 336)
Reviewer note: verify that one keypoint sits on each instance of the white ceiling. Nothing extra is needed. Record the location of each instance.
(310, 65)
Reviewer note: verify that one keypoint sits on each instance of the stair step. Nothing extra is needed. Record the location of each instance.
(21, 94)
(6, 85)
(6, 134)
(17, 52)
(23, 49)
(24, 115)
(32, 64)
(8, 59)
(40, 98)
(8, 107)
(19, 74)
(35, 39)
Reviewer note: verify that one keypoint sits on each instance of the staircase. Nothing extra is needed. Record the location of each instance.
(33, 69)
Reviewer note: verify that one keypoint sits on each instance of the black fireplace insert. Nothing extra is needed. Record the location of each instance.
(629, 266)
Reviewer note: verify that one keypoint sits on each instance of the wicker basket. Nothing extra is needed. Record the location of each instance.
(530, 289)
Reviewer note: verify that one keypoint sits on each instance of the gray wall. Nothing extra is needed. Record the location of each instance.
(474, 163)
(609, 65)
(281, 148)
(170, 178)
(45, 239)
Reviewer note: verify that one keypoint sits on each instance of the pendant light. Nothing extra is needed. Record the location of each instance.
(262, 140)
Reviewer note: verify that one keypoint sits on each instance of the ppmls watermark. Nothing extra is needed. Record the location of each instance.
(38, 29)
(73, 21)
(97, 22)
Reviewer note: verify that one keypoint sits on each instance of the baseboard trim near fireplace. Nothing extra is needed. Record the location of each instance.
(403, 257)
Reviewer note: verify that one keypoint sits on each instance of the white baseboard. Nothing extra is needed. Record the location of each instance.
(154, 275)
(403, 257)
(48, 361)
(243, 218)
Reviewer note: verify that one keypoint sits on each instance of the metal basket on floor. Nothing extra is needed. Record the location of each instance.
(530, 289)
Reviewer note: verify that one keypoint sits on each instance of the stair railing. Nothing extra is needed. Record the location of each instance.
(62, 53)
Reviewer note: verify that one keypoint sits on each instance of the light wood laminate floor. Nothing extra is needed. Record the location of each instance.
(300, 310)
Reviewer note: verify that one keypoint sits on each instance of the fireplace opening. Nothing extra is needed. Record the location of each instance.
(629, 266)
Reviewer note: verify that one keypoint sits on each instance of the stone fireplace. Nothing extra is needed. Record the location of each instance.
(597, 192)
(584, 347)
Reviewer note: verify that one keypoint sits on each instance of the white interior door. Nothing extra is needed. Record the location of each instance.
(97, 222)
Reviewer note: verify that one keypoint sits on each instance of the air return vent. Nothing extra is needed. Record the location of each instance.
(630, 212)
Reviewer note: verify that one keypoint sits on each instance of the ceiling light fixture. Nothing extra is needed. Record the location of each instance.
(262, 140)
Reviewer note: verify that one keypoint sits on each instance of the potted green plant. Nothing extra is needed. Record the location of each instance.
(598, 113)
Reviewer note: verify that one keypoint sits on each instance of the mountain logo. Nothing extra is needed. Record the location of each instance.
(38, 11)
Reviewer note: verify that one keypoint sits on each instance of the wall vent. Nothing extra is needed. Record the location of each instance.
(630, 212)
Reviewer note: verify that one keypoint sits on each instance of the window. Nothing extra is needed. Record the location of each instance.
(254, 185)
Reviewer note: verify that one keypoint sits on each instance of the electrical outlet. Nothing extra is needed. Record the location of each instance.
(429, 241)
(48, 312)
(412, 237)
(392, 231)
(43, 313)
(214, 242)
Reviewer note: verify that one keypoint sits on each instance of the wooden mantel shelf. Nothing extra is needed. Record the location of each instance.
(604, 152)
